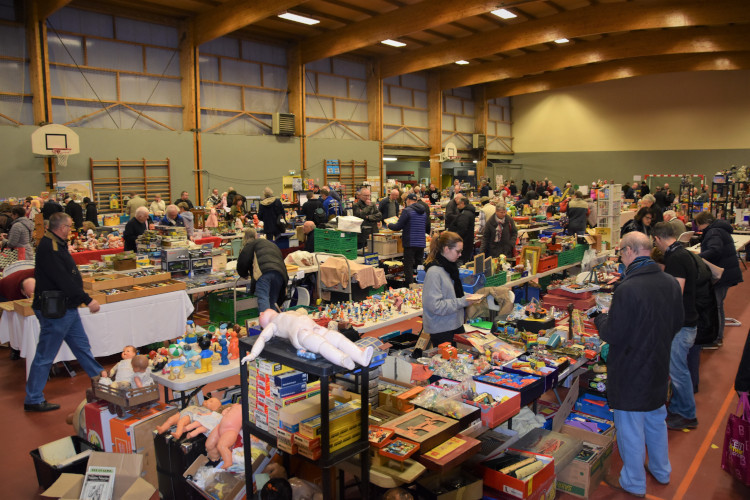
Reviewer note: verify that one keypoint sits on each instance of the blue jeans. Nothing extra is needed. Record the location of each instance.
(267, 289)
(636, 431)
(721, 294)
(683, 400)
(54, 332)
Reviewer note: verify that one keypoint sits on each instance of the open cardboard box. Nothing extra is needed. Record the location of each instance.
(128, 482)
(581, 478)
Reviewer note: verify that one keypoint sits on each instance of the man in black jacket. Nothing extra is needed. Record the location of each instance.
(184, 197)
(370, 215)
(56, 271)
(262, 261)
(463, 225)
(645, 315)
(311, 206)
(134, 228)
(51, 206)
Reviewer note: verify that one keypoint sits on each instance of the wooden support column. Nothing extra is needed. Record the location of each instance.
(41, 103)
(435, 122)
(375, 113)
(190, 90)
(480, 126)
(296, 93)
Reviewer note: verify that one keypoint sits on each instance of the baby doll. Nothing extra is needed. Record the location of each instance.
(220, 440)
(141, 376)
(194, 419)
(124, 367)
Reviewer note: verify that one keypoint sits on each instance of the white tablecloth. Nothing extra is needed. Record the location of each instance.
(129, 322)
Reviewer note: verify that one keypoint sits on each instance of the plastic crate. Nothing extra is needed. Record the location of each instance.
(473, 283)
(547, 263)
(498, 279)
(221, 306)
(572, 256)
(332, 241)
(47, 474)
(377, 291)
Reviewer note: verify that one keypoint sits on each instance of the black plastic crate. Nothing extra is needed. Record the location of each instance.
(173, 457)
(47, 474)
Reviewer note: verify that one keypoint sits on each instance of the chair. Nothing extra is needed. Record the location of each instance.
(685, 237)
(302, 298)
(236, 248)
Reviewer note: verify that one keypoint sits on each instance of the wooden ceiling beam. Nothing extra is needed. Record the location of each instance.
(393, 24)
(236, 14)
(597, 19)
(614, 70)
(46, 8)
(638, 44)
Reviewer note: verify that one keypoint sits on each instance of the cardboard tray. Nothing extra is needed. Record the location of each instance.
(107, 281)
(23, 307)
(492, 416)
(528, 393)
(550, 374)
(153, 278)
(517, 488)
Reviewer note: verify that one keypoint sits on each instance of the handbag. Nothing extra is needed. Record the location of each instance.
(8, 256)
(53, 304)
(734, 457)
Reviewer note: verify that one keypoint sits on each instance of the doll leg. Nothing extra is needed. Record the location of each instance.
(342, 343)
(224, 448)
(181, 423)
(195, 428)
(211, 441)
(317, 343)
(168, 423)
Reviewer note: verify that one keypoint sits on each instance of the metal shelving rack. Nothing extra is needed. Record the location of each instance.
(281, 351)
(608, 208)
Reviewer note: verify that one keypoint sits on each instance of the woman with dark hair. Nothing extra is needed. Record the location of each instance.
(443, 299)
(717, 247)
(641, 222)
(92, 214)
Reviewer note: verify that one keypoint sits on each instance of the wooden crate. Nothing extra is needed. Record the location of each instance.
(23, 307)
(107, 281)
(153, 278)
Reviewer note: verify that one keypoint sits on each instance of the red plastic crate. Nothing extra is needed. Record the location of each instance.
(547, 263)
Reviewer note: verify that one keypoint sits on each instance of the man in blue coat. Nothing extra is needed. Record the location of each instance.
(415, 222)
(645, 315)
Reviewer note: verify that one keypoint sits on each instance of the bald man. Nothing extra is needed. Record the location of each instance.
(17, 286)
(309, 229)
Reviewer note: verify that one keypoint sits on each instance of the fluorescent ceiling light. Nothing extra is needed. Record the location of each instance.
(393, 43)
(298, 18)
(562, 40)
(473, 161)
(504, 13)
(462, 62)
(390, 158)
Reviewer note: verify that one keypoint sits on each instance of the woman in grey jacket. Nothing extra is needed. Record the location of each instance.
(443, 300)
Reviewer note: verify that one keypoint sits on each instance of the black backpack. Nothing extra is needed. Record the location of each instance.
(319, 216)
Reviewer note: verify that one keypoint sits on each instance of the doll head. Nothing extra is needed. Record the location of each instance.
(267, 316)
(212, 404)
(139, 363)
(204, 342)
(128, 352)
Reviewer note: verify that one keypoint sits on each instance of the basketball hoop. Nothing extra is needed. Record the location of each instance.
(62, 156)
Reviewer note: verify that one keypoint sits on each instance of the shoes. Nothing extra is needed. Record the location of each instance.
(652, 475)
(15, 354)
(614, 483)
(43, 406)
(677, 422)
(713, 346)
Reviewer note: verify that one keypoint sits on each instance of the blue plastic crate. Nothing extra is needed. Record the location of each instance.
(473, 283)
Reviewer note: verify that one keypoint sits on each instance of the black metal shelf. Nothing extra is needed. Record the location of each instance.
(280, 351)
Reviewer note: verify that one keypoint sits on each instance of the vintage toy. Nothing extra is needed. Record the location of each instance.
(176, 363)
(194, 419)
(304, 333)
(204, 342)
(222, 437)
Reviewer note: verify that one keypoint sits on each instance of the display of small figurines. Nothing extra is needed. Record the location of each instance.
(535, 310)
(399, 449)
(377, 308)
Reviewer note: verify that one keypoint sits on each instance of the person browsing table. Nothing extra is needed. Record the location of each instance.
(443, 299)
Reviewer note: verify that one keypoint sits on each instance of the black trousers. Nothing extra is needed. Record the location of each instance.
(438, 338)
(413, 256)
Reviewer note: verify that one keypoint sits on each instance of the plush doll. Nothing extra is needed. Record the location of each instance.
(304, 333)
(194, 419)
(238, 224)
(220, 440)
(204, 342)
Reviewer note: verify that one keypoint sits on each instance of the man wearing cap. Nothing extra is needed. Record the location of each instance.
(415, 222)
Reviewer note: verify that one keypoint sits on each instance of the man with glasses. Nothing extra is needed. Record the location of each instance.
(55, 271)
(645, 315)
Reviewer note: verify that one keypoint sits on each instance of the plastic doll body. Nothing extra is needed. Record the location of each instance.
(220, 440)
(187, 419)
(304, 333)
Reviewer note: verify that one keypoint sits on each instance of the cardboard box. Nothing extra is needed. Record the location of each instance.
(107, 281)
(136, 433)
(128, 483)
(544, 491)
(98, 419)
(400, 400)
(23, 307)
(517, 488)
(202, 460)
(124, 264)
(492, 416)
(472, 490)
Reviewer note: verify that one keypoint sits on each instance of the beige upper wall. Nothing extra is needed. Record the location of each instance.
(672, 111)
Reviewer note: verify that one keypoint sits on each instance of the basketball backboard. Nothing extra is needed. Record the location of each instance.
(46, 139)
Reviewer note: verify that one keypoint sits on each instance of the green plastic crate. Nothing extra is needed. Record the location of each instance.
(331, 241)
(572, 256)
(221, 306)
(498, 279)
(376, 291)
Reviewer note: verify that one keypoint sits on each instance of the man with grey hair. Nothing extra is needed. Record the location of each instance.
(369, 213)
(645, 315)
(650, 202)
(172, 217)
(677, 225)
(134, 228)
(451, 210)
(389, 207)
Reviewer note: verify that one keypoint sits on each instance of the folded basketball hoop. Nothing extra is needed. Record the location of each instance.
(62, 156)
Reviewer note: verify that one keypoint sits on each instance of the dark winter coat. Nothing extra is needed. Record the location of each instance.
(578, 211)
(645, 315)
(55, 269)
(269, 211)
(717, 247)
(75, 210)
(92, 215)
(50, 207)
(451, 212)
(383, 207)
(415, 222)
(261, 256)
(507, 238)
(370, 216)
(463, 225)
(634, 225)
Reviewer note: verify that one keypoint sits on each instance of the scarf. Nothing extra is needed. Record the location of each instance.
(637, 263)
(452, 269)
(499, 231)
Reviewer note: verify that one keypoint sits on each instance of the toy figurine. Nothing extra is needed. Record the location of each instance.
(159, 359)
(234, 345)
(176, 363)
(220, 440)
(212, 220)
(224, 351)
(194, 419)
(191, 356)
(204, 342)
(304, 333)
(190, 337)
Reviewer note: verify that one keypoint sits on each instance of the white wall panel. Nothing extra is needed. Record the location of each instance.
(114, 55)
(161, 61)
(12, 41)
(399, 96)
(262, 52)
(274, 77)
(414, 81)
(221, 46)
(332, 85)
(391, 115)
(209, 68)
(69, 82)
(319, 107)
(220, 96)
(346, 67)
(415, 118)
(349, 110)
(453, 105)
(67, 49)
(147, 33)
(150, 89)
(81, 21)
(243, 72)
(420, 99)
(266, 101)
